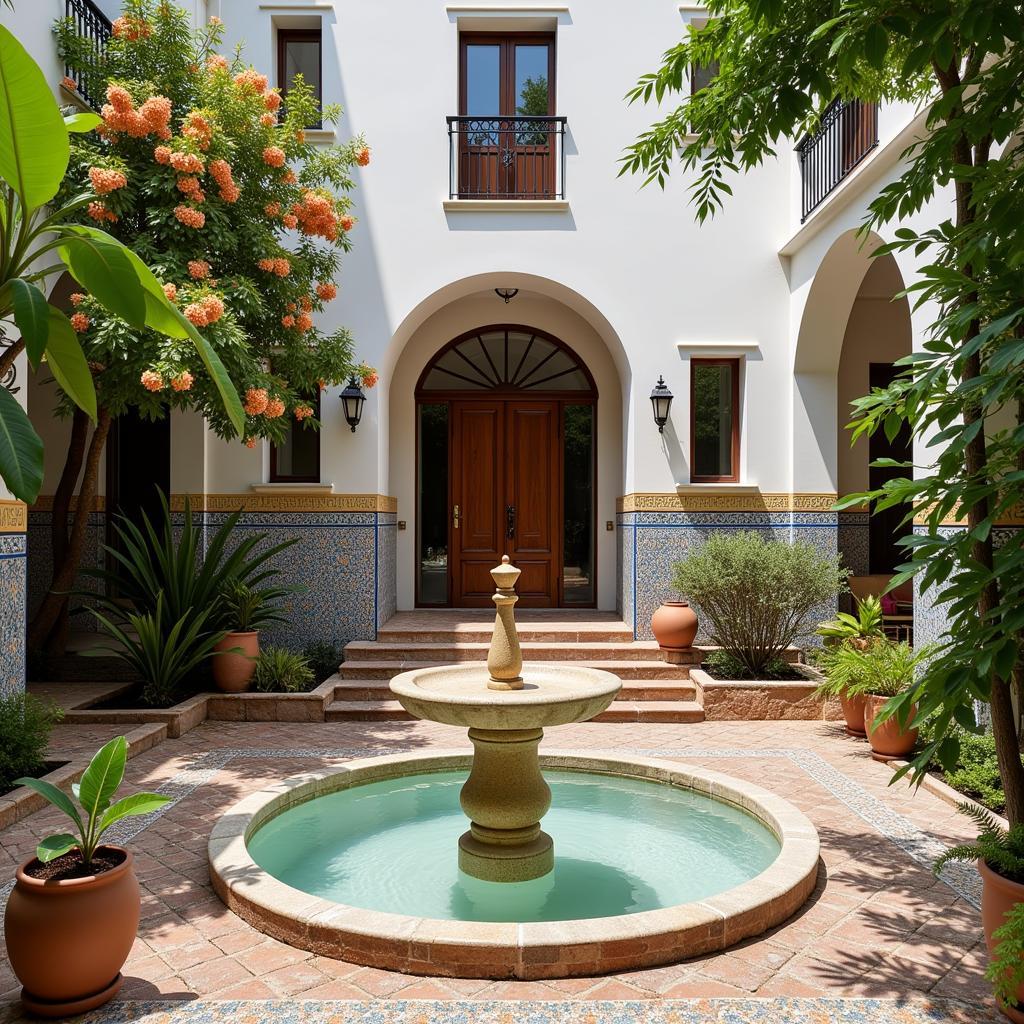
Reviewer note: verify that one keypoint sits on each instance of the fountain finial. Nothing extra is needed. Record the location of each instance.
(505, 658)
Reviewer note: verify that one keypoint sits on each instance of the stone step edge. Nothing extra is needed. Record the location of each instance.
(632, 690)
(638, 711)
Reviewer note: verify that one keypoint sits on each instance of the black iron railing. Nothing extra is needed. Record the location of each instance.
(93, 28)
(847, 133)
(506, 157)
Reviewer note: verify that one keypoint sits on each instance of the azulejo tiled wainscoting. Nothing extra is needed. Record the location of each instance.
(13, 594)
(854, 540)
(657, 530)
(931, 619)
(344, 560)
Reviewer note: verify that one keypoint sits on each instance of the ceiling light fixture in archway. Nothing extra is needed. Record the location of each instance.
(508, 294)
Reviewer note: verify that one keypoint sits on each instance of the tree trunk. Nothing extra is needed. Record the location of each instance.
(9, 354)
(46, 618)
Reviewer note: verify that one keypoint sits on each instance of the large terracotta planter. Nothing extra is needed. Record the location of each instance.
(853, 712)
(674, 625)
(889, 740)
(68, 940)
(233, 671)
(998, 897)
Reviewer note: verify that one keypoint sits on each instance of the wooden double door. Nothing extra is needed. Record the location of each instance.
(506, 499)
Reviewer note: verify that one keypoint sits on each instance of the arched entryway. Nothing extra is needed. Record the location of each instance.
(506, 464)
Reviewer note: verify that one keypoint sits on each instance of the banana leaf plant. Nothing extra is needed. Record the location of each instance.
(38, 242)
(95, 813)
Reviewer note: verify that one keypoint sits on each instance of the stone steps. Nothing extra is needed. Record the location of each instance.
(447, 652)
(623, 669)
(529, 632)
(633, 690)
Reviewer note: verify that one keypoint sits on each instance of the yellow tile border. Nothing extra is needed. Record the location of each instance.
(719, 501)
(13, 516)
(286, 502)
(1013, 518)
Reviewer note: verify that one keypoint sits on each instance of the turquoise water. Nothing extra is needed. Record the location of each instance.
(621, 846)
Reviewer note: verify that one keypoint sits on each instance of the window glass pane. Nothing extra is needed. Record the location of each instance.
(702, 74)
(713, 419)
(299, 457)
(483, 80)
(534, 356)
(531, 79)
(432, 517)
(578, 526)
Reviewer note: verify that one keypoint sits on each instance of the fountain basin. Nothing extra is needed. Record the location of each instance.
(525, 948)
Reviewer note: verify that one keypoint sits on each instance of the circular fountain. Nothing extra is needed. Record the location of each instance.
(505, 796)
(650, 861)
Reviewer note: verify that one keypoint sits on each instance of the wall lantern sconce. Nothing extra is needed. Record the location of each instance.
(508, 294)
(661, 402)
(352, 400)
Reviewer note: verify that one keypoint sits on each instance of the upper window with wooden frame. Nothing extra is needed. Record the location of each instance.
(300, 52)
(297, 461)
(714, 420)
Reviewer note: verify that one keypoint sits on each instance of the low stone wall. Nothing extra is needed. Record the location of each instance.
(734, 700)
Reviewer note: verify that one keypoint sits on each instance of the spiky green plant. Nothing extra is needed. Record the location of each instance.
(1000, 848)
(864, 625)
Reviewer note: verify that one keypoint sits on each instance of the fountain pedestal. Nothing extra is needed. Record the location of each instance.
(506, 709)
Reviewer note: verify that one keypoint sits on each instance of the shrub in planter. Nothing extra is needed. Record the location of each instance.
(74, 912)
(723, 665)
(755, 596)
(281, 671)
(25, 726)
(323, 659)
(857, 631)
(245, 611)
(999, 855)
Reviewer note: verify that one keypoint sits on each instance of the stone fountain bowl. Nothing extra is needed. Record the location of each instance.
(551, 695)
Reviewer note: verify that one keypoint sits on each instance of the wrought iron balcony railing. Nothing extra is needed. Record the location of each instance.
(847, 133)
(506, 157)
(93, 28)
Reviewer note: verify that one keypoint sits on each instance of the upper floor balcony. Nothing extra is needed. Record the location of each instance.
(94, 29)
(519, 157)
(847, 134)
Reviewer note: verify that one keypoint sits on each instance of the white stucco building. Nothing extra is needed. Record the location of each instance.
(525, 424)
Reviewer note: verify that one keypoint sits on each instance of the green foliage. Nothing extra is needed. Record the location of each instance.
(323, 659)
(206, 225)
(961, 394)
(95, 813)
(756, 596)
(246, 608)
(1006, 968)
(976, 771)
(866, 624)
(282, 671)
(1001, 849)
(723, 665)
(885, 668)
(172, 577)
(37, 207)
(25, 726)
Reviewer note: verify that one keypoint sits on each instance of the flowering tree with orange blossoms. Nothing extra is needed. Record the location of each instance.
(207, 174)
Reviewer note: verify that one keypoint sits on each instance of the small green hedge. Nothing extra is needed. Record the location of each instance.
(977, 772)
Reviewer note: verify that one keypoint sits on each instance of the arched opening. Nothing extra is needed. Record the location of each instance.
(506, 429)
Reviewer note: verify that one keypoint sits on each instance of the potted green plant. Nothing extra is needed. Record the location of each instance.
(999, 855)
(74, 912)
(246, 610)
(858, 631)
(282, 671)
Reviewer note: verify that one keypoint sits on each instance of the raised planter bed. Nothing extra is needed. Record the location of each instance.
(764, 699)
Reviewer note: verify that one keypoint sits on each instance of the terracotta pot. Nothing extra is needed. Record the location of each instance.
(853, 712)
(674, 625)
(233, 672)
(998, 897)
(889, 740)
(68, 940)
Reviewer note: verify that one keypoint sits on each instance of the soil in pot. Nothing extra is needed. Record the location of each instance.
(853, 712)
(674, 625)
(233, 670)
(888, 740)
(69, 930)
(999, 895)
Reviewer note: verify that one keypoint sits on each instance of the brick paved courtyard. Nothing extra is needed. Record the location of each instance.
(880, 930)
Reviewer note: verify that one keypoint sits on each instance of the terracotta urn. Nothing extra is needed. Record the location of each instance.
(853, 712)
(889, 740)
(233, 670)
(67, 940)
(674, 625)
(999, 895)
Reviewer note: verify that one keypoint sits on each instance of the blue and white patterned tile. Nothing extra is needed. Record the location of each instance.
(387, 566)
(13, 592)
(854, 541)
(40, 550)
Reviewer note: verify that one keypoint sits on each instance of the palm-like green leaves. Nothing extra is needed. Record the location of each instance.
(21, 449)
(100, 782)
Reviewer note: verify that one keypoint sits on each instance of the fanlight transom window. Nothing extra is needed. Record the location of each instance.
(506, 359)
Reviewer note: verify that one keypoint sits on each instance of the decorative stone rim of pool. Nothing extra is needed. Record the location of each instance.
(470, 949)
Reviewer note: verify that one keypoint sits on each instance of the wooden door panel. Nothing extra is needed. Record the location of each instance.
(477, 483)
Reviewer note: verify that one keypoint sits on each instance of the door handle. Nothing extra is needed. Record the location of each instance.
(510, 521)
(455, 517)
